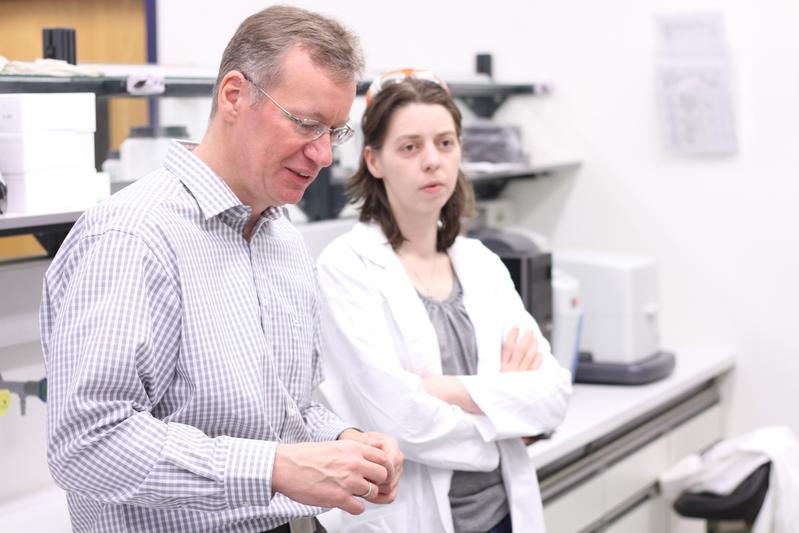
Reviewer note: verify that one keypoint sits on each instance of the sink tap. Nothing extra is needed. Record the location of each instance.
(23, 389)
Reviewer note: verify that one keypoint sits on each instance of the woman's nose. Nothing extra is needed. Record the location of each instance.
(431, 159)
(320, 151)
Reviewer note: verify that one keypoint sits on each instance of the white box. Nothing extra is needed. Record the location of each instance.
(43, 151)
(64, 190)
(620, 304)
(24, 112)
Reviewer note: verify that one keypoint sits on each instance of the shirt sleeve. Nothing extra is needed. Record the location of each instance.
(111, 327)
(322, 424)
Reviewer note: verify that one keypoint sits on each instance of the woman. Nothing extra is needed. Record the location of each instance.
(426, 337)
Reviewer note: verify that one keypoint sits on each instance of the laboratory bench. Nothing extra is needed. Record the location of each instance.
(599, 470)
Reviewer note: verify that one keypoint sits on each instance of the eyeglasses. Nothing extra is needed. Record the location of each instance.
(308, 128)
(396, 76)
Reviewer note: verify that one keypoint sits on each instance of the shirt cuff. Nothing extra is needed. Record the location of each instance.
(248, 472)
(331, 430)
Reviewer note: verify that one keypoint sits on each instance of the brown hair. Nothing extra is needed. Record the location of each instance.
(261, 42)
(364, 187)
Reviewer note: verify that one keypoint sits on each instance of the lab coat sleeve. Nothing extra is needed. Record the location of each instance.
(367, 381)
(518, 403)
(111, 339)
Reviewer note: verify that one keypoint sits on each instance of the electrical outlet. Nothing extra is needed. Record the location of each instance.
(497, 213)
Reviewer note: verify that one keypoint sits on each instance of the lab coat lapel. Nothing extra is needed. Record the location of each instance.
(479, 301)
(415, 330)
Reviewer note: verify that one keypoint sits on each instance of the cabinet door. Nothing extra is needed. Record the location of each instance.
(696, 434)
(678, 524)
(576, 509)
(646, 518)
(636, 472)
(105, 32)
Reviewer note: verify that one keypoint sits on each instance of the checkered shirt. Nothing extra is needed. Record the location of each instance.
(178, 355)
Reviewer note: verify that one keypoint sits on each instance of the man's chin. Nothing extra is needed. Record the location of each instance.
(293, 197)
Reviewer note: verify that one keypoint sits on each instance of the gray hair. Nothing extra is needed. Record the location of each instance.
(261, 42)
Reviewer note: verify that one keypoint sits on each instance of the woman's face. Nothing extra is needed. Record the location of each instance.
(419, 159)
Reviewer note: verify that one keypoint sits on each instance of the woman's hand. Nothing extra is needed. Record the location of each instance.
(520, 355)
(450, 389)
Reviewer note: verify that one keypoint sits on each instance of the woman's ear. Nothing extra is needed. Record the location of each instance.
(372, 158)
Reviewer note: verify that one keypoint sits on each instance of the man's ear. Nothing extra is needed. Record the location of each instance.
(232, 96)
(370, 155)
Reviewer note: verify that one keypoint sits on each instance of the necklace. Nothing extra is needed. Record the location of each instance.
(425, 286)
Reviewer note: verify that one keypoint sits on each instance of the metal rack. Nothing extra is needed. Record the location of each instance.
(50, 229)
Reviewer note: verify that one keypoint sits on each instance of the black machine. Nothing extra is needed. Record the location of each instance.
(529, 267)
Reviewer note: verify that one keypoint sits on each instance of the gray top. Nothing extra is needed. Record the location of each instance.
(478, 499)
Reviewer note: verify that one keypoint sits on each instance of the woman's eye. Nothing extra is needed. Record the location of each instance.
(408, 147)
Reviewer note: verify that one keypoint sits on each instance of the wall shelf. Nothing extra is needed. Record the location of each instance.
(483, 98)
(50, 229)
(100, 85)
(488, 185)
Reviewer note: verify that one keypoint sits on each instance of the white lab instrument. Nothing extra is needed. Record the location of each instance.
(567, 316)
(620, 325)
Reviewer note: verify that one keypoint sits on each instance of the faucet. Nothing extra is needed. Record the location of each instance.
(24, 389)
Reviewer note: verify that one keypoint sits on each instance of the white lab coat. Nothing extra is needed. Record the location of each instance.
(379, 342)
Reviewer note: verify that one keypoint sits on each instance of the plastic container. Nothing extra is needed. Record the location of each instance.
(145, 149)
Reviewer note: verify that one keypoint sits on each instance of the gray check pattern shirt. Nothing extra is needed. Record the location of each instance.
(178, 356)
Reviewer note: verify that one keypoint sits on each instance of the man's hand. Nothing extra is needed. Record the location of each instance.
(330, 474)
(520, 355)
(387, 490)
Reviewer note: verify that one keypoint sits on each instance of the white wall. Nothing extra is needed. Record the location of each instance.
(23, 448)
(721, 228)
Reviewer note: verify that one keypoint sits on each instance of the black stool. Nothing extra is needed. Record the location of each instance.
(735, 512)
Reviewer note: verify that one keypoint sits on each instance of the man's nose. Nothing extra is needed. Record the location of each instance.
(320, 151)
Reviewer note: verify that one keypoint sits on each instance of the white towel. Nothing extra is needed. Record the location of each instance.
(720, 469)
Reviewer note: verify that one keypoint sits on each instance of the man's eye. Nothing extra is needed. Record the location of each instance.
(308, 128)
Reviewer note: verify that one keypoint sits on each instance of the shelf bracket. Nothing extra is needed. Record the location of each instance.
(485, 106)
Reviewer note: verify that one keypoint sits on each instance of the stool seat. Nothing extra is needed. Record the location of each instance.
(741, 504)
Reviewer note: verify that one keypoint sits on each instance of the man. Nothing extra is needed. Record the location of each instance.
(179, 319)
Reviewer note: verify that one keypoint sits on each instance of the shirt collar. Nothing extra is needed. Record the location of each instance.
(212, 194)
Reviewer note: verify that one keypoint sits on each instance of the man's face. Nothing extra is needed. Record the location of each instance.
(278, 163)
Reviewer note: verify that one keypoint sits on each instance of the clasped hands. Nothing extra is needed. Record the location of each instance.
(340, 473)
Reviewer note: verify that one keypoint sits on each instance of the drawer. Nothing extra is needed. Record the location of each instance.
(636, 472)
(646, 517)
(575, 509)
(696, 434)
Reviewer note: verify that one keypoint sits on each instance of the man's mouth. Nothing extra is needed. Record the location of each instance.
(304, 174)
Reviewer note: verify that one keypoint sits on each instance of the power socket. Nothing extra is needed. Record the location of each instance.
(498, 213)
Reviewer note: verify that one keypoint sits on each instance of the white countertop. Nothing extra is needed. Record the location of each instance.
(595, 410)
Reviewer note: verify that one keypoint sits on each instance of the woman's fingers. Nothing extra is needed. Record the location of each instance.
(520, 353)
(508, 346)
